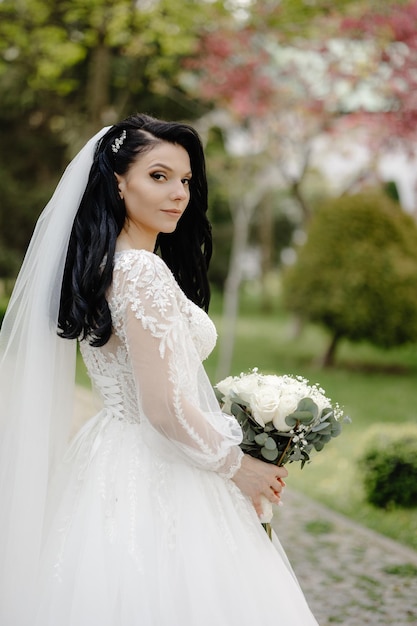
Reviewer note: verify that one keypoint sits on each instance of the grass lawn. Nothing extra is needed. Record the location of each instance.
(374, 387)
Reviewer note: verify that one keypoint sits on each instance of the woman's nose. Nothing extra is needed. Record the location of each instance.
(179, 192)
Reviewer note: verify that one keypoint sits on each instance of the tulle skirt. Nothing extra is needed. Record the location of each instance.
(136, 536)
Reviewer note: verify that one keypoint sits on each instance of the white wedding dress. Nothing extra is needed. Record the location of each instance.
(145, 527)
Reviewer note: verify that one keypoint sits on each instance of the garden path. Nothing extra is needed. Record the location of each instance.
(350, 575)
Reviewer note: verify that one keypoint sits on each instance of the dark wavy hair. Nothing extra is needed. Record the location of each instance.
(84, 311)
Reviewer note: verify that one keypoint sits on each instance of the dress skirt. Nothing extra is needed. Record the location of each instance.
(137, 536)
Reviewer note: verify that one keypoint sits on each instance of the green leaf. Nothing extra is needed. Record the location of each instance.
(336, 429)
(250, 434)
(269, 455)
(326, 438)
(296, 454)
(308, 405)
(323, 429)
(327, 413)
(261, 439)
(304, 417)
(236, 409)
(290, 420)
(270, 444)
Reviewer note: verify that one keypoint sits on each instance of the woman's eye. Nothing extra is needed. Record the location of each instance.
(186, 181)
(158, 176)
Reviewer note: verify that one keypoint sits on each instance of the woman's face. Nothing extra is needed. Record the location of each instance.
(156, 193)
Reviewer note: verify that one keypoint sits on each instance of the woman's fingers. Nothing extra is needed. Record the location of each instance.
(258, 479)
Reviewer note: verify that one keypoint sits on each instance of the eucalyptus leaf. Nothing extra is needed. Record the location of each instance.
(326, 413)
(296, 454)
(235, 409)
(250, 434)
(290, 420)
(326, 438)
(325, 430)
(336, 429)
(269, 455)
(307, 404)
(261, 439)
(219, 395)
(320, 426)
(270, 444)
(305, 417)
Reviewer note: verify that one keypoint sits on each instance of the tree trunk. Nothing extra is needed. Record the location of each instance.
(231, 291)
(299, 197)
(266, 238)
(98, 87)
(329, 356)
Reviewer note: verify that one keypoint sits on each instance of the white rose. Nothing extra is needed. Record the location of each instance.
(265, 404)
(225, 385)
(273, 381)
(246, 386)
(287, 405)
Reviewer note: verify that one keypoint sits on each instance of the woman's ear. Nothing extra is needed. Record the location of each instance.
(120, 184)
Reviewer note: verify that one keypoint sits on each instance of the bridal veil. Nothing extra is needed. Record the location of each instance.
(37, 377)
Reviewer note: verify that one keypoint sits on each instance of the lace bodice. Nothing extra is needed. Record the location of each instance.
(151, 368)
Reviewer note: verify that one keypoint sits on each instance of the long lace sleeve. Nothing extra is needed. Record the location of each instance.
(173, 390)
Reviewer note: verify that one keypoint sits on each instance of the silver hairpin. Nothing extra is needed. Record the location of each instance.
(118, 142)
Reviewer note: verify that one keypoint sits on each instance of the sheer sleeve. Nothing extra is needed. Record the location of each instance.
(173, 390)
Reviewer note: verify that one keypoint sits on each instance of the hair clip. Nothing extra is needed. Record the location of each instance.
(118, 142)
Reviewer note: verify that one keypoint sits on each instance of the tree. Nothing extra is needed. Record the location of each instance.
(68, 68)
(357, 273)
(389, 31)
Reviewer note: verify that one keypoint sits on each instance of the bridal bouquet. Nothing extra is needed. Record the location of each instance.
(283, 418)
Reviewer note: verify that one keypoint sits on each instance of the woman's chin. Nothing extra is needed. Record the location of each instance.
(169, 229)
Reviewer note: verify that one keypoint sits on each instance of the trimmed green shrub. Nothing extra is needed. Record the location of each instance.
(357, 273)
(389, 467)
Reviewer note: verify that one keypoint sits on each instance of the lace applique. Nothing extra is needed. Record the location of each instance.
(152, 283)
(158, 285)
(110, 372)
(151, 369)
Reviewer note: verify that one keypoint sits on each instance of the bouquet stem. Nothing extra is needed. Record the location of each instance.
(268, 530)
(284, 452)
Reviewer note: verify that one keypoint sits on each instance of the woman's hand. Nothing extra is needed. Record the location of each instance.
(256, 478)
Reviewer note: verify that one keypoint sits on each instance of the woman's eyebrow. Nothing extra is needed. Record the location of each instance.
(166, 167)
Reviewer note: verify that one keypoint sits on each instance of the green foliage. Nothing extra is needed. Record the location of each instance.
(357, 273)
(295, 18)
(68, 68)
(29, 169)
(389, 467)
(47, 47)
(3, 307)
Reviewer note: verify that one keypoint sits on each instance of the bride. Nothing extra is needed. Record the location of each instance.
(149, 516)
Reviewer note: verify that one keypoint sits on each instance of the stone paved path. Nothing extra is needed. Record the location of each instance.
(349, 574)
